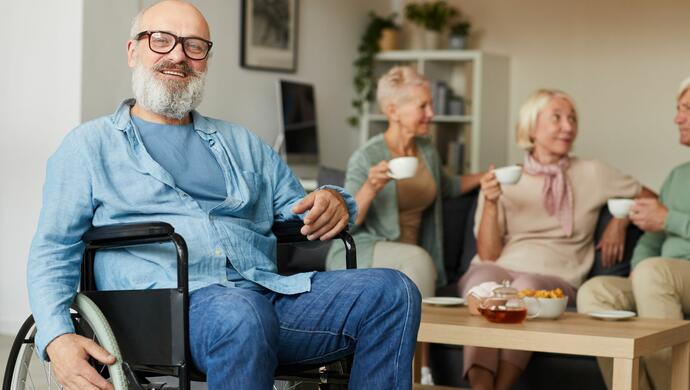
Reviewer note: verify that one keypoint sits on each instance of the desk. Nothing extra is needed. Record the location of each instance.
(577, 334)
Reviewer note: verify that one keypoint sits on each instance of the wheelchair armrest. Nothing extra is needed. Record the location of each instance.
(131, 234)
(125, 234)
(289, 232)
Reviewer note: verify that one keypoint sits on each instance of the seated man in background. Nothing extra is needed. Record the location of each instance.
(659, 285)
(157, 159)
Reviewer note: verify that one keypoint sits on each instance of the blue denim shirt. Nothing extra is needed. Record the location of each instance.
(102, 174)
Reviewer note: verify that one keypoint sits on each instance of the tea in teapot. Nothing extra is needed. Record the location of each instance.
(504, 306)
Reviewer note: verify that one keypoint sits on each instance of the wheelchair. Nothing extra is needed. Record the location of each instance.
(147, 330)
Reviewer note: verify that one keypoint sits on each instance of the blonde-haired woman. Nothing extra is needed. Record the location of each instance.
(399, 224)
(538, 233)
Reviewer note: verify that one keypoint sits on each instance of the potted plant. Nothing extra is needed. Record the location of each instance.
(433, 16)
(388, 40)
(371, 43)
(459, 34)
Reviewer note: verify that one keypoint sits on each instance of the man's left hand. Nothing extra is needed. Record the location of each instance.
(327, 216)
(649, 214)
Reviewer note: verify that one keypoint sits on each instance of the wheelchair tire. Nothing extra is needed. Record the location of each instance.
(24, 362)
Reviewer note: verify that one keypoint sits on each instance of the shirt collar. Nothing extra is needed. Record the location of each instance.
(122, 120)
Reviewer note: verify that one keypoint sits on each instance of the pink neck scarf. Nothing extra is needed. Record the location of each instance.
(557, 192)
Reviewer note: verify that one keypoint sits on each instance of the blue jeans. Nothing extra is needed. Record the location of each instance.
(239, 336)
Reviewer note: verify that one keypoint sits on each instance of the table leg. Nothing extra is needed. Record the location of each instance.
(680, 369)
(626, 373)
(417, 364)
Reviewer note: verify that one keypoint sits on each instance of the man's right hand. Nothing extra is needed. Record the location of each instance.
(69, 354)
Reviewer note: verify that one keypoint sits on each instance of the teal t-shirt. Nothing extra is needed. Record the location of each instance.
(187, 157)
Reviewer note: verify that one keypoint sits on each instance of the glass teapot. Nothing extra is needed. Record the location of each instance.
(504, 306)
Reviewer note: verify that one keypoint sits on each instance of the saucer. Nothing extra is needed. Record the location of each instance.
(612, 315)
(443, 301)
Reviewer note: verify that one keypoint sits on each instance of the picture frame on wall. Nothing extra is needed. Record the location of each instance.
(269, 35)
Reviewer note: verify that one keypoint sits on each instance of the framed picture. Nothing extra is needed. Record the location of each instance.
(269, 35)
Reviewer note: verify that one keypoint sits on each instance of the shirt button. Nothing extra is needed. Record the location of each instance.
(184, 195)
(218, 252)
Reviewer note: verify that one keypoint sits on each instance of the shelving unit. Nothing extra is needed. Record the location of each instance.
(481, 79)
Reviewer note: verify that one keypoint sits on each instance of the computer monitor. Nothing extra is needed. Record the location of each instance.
(298, 126)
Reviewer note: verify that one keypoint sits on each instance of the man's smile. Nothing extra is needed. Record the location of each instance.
(173, 72)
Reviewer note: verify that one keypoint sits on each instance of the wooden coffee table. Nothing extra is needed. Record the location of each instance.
(572, 333)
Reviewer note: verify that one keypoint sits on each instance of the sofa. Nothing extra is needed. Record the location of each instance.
(545, 370)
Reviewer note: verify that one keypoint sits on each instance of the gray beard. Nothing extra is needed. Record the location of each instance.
(170, 99)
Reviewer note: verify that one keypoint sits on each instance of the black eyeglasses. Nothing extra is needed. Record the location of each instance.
(162, 42)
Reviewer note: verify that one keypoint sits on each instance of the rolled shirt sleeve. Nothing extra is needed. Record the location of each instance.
(288, 192)
(56, 251)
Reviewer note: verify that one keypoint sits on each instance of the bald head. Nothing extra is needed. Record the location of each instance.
(175, 16)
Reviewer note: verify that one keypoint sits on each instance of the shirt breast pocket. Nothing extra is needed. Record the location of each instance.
(257, 205)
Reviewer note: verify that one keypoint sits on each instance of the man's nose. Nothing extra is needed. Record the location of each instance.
(680, 118)
(177, 54)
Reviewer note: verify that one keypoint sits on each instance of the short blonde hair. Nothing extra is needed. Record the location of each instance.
(530, 110)
(392, 86)
(684, 86)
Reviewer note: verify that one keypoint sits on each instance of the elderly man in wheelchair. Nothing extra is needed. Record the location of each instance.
(221, 309)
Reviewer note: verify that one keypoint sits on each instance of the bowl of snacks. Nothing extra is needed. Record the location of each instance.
(549, 304)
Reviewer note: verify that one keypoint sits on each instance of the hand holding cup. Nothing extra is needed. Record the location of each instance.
(378, 176)
(490, 186)
(649, 214)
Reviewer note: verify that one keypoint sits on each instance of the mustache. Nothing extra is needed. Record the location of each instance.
(182, 66)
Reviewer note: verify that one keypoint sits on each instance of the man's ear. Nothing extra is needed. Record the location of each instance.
(130, 53)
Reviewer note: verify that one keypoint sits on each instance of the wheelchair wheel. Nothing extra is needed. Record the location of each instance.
(27, 370)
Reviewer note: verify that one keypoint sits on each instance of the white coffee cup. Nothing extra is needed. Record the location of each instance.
(620, 207)
(508, 175)
(402, 167)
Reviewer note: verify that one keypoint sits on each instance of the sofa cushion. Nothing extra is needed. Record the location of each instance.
(330, 176)
(456, 212)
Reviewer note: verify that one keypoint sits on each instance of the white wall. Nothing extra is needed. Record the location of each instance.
(621, 60)
(40, 81)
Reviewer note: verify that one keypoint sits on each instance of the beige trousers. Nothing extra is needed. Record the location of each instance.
(658, 288)
(412, 260)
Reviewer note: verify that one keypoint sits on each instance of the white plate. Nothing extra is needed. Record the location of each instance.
(612, 315)
(444, 301)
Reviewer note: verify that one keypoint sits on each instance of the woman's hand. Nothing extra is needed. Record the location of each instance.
(378, 176)
(489, 238)
(612, 243)
(490, 186)
(377, 179)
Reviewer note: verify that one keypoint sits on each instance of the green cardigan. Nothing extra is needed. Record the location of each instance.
(674, 240)
(382, 223)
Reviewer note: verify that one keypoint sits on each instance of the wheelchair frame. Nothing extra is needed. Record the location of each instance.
(164, 311)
